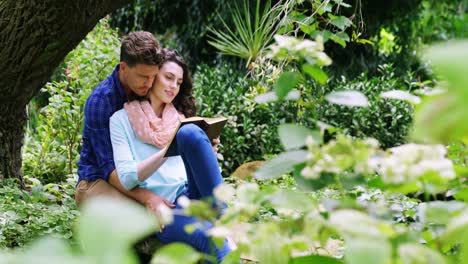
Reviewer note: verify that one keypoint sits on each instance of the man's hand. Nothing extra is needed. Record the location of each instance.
(141, 195)
(153, 204)
(215, 142)
(155, 201)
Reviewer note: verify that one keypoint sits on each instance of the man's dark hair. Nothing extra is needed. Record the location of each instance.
(140, 47)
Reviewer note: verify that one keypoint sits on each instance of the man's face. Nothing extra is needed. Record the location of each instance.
(138, 78)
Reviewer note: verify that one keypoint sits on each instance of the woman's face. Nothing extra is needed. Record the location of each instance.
(167, 83)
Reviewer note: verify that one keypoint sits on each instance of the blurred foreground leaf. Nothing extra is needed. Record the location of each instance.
(443, 118)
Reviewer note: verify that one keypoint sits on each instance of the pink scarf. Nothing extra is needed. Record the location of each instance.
(148, 127)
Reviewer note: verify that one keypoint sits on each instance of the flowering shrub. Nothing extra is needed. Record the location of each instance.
(412, 162)
(340, 155)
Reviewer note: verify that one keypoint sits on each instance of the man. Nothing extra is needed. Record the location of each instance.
(133, 76)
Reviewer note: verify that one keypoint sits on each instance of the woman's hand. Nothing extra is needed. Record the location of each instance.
(215, 142)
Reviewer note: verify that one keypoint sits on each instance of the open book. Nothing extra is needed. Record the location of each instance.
(211, 126)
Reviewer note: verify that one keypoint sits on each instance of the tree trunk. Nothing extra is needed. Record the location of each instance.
(35, 36)
(12, 121)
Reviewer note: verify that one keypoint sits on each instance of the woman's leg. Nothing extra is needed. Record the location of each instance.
(203, 176)
(198, 239)
(200, 161)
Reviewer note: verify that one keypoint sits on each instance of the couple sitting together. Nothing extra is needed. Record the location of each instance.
(129, 119)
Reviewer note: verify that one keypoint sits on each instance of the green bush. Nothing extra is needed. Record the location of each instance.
(388, 121)
(24, 216)
(52, 144)
(251, 130)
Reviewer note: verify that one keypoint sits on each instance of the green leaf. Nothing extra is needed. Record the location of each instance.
(315, 72)
(419, 254)
(456, 229)
(324, 180)
(450, 60)
(343, 36)
(281, 164)
(341, 3)
(401, 95)
(352, 223)
(308, 29)
(439, 212)
(293, 136)
(462, 195)
(338, 40)
(232, 258)
(407, 187)
(443, 118)
(290, 199)
(176, 253)
(460, 170)
(107, 227)
(246, 38)
(440, 118)
(325, 34)
(364, 41)
(360, 251)
(340, 22)
(47, 250)
(316, 259)
(324, 8)
(348, 98)
(286, 82)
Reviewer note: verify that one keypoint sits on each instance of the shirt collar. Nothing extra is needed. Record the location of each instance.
(115, 77)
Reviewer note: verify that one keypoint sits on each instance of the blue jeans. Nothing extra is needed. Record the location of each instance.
(203, 176)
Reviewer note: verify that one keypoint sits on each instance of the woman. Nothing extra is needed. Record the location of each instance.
(141, 131)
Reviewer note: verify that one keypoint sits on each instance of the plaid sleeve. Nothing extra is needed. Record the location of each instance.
(97, 113)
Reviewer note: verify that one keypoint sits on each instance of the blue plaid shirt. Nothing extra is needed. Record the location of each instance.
(96, 159)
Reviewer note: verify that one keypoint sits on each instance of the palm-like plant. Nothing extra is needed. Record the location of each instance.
(247, 39)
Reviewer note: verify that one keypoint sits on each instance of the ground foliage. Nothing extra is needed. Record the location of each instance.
(41, 210)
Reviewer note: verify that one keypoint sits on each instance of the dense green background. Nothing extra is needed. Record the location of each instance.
(378, 51)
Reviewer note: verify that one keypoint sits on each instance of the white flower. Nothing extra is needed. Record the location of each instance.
(328, 158)
(286, 212)
(361, 168)
(307, 45)
(285, 41)
(310, 173)
(323, 58)
(310, 141)
(374, 143)
(412, 161)
(219, 231)
(444, 167)
(334, 247)
(224, 193)
(247, 191)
